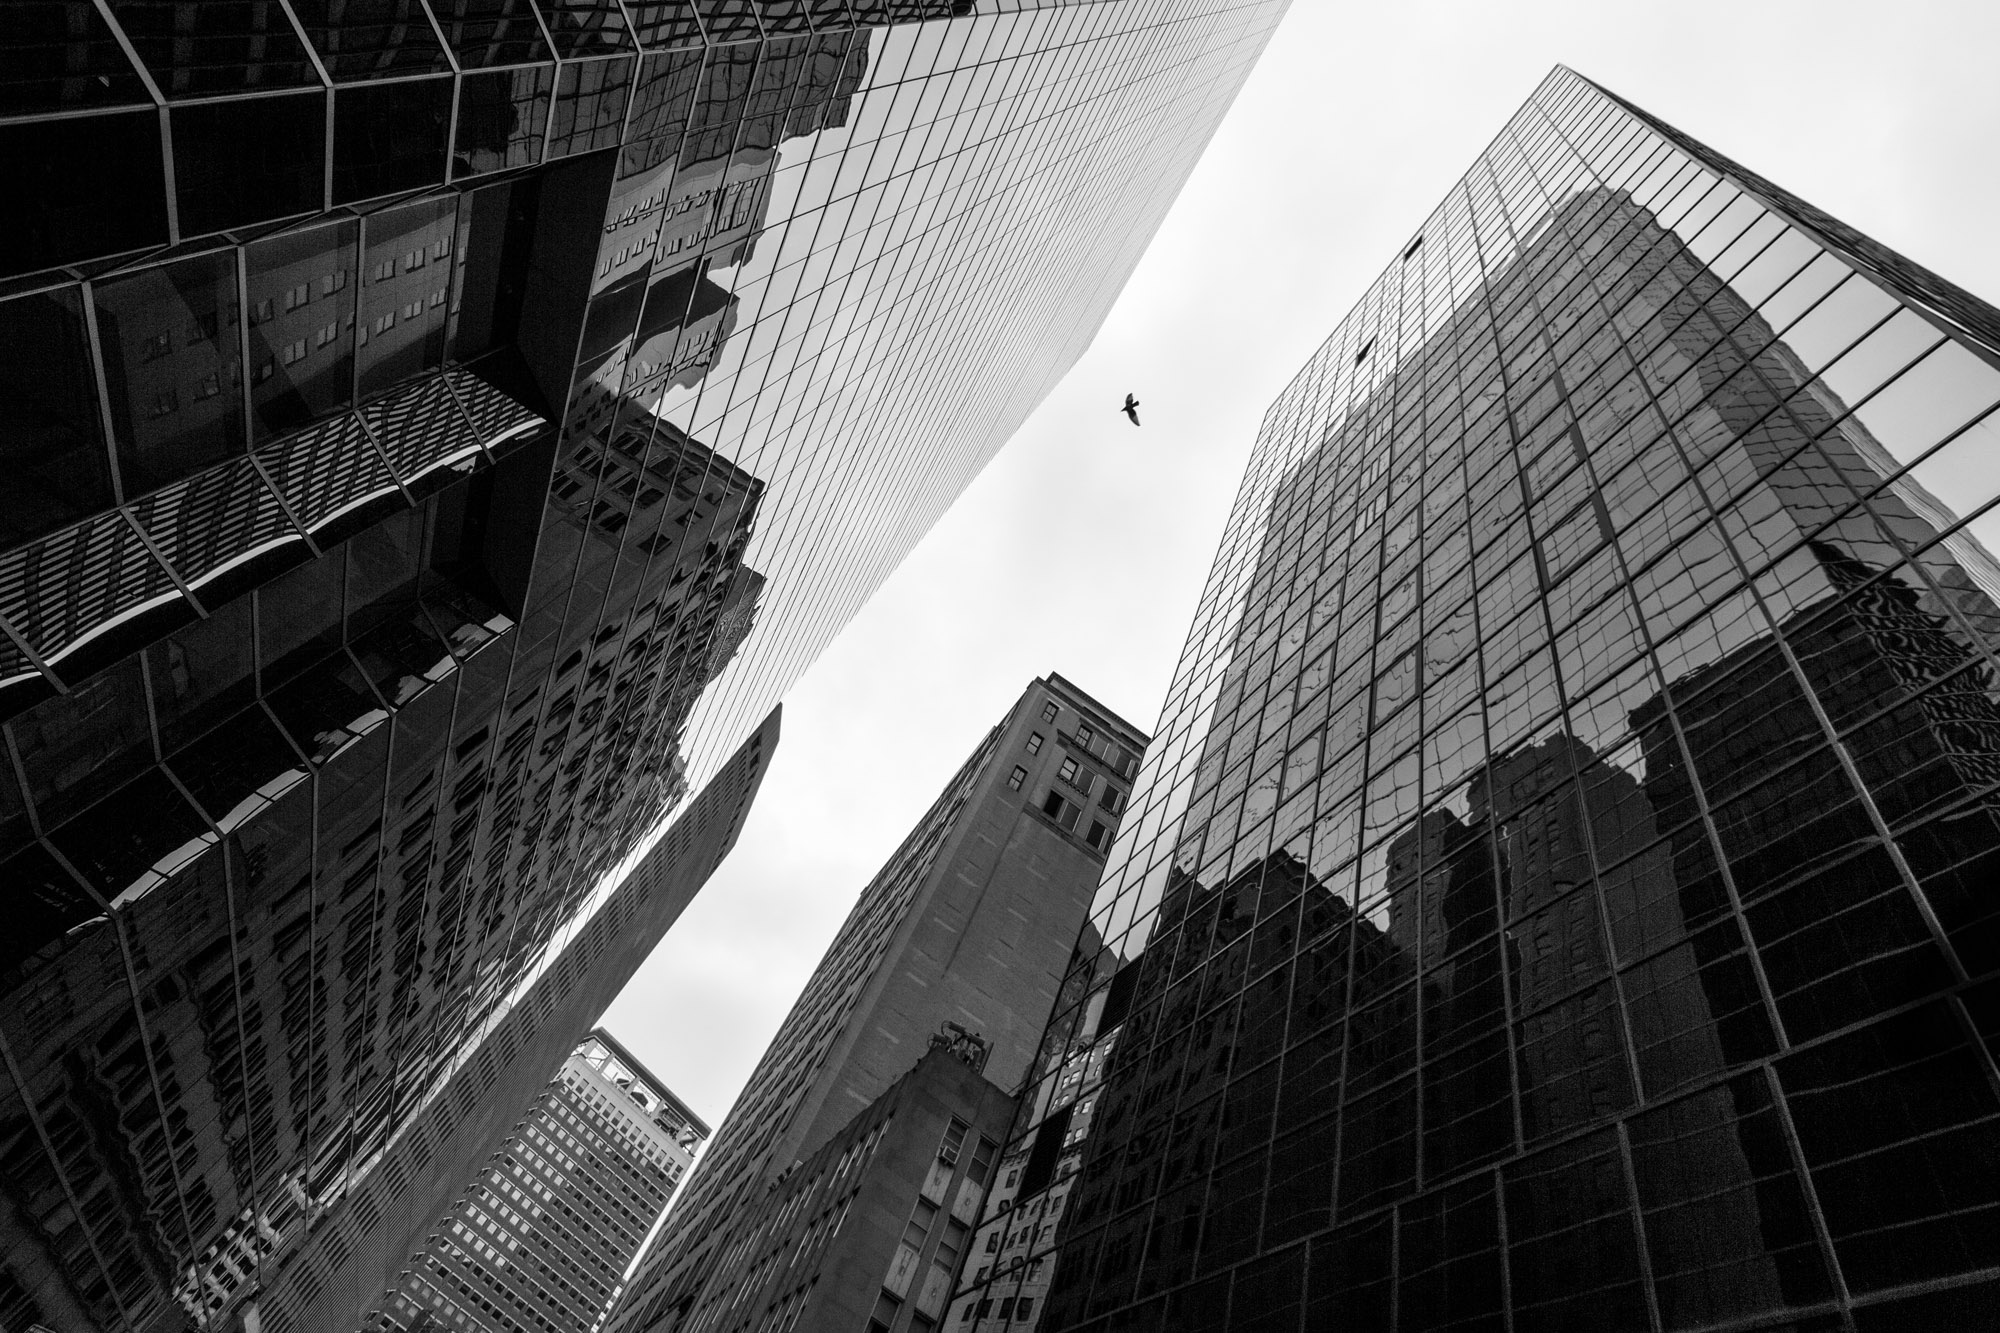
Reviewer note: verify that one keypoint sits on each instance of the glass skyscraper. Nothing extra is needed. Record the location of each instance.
(1564, 890)
(437, 432)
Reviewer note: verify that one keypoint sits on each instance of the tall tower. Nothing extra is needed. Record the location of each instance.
(438, 434)
(542, 1237)
(1562, 894)
(971, 922)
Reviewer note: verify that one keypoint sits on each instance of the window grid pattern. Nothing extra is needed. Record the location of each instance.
(389, 762)
(1560, 892)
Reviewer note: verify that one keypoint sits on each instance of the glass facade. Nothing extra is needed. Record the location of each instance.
(410, 409)
(1561, 894)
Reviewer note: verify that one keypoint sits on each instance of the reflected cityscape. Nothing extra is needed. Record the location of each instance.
(1568, 905)
(443, 431)
(1558, 892)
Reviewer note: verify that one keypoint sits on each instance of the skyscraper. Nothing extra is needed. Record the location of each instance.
(970, 923)
(438, 433)
(1561, 892)
(331, 1272)
(540, 1240)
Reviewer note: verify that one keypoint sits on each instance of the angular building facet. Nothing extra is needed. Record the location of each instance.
(968, 927)
(540, 1240)
(1562, 893)
(867, 1231)
(437, 434)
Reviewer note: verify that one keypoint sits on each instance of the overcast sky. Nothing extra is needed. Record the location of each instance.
(1083, 547)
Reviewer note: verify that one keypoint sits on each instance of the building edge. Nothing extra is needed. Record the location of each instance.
(336, 1278)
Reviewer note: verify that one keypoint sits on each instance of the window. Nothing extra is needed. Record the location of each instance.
(202, 329)
(919, 1225)
(1113, 799)
(1084, 735)
(152, 349)
(1034, 742)
(1056, 808)
(326, 334)
(333, 282)
(210, 386)
(293, 352)
(1050, 712)
(1098, 836)
(982, 1160)
(260, 312)
(948, 1248)
(954, 1140)
(1068, 770)
(298, 296)
(167, 403)
(414, 259)
(1024, 1307)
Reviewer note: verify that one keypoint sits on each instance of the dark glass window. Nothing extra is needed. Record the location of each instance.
(302, 293)
(77, 746)
(247, 161)
(389, 137)
(51, 436)
(502, 118)
(181, 410)
(407, 258)
(202, 672)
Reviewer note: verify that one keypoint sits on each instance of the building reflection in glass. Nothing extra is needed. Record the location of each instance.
(409, 416)
(1563, 889)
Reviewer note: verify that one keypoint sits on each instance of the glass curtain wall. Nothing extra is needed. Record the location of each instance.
(440, 431)
(1562, 890)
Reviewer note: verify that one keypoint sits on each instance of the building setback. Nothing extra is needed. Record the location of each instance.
(1563, 888)
(437, 435)
(971, 923)
(540, 1240)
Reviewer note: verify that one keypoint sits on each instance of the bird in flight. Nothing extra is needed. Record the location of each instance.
(1131, 408)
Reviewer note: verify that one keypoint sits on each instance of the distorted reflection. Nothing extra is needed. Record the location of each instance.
(1594, 782)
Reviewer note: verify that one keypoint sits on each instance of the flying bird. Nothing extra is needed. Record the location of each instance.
(1131, 408)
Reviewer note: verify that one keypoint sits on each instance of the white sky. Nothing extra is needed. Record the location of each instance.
(1083, 547)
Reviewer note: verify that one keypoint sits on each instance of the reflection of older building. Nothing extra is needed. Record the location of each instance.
(969, 924)
(540, 1240)
(385, 445)
(1606, 665)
